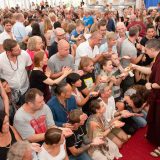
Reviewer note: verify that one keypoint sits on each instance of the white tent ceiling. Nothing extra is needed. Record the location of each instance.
(26, 3)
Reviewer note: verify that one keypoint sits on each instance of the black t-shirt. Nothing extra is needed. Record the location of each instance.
(4, 150)
(76, 139)
(148, 59)
(143, 41)
(87, 81)
(36, 81)
(53, 49)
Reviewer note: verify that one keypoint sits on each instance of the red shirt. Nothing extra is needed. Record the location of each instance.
(140, 24)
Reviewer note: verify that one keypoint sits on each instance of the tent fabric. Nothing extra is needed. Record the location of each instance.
(151, 3)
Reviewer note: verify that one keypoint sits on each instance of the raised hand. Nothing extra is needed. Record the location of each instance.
(148, 86)
(104, 79)
(97, 141)
(68, 125)
(67, 132)
(126, 114)
(93, 94)
(36, 147)
(118, 124)
(126, 57)
(66, 71)
(80, 72)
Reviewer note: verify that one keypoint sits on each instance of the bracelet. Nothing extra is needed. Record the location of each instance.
(90, 95)
(111, 127)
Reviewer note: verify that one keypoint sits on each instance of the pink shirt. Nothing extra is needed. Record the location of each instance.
(31, 54)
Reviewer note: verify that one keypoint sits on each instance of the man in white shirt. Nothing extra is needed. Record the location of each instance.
(18, 28)
(89, 48)
(13, 63)
(29, 28)
(6, 34)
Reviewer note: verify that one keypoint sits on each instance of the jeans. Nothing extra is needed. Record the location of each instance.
(141, 121)
(83, 156)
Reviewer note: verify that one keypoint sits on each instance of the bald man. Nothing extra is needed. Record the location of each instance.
(89, 48)
(61, 59)
(121, 29)
(122, 35)
(59, 34)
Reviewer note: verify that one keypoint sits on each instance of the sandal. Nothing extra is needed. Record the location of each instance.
(156, 152)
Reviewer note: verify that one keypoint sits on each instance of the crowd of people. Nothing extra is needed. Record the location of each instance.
(77, 84)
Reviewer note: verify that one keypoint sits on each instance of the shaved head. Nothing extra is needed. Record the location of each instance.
(121, 29)
(59, 31)
(120, 25)
(63, 48)
(62, 43)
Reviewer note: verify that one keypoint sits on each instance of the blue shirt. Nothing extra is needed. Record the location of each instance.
(19, 31)
(60, 114)
(104, 48)
(88, 20)
(75, 34)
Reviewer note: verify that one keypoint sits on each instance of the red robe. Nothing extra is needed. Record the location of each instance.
(153, 118)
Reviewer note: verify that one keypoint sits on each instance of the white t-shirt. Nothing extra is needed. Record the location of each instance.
(110, 109)
(84, 49)
(4, 35)
(15, 73)
(44, 155)
(28, 29)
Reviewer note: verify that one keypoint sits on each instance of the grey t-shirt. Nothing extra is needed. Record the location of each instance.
(28, 125)
(56, 64)
(128, 49)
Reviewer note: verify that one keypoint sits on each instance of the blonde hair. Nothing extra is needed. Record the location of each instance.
(85, 62)
(18, 150)
(111, 35)
(52, 15)
(71, 27)
(47, 25)
(31, 44)
(94, 28)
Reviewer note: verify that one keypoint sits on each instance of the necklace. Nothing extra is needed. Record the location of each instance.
(78, 138)
(64, 108)
(11, 64)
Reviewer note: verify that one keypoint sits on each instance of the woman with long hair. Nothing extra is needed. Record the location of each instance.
(48, 32)
(8, 135)
(97, 127)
